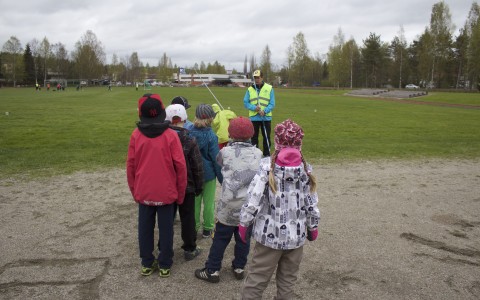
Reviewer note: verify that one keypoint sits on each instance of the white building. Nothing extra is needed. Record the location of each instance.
(213, 79)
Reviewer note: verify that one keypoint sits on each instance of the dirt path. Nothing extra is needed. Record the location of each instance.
(389, 230)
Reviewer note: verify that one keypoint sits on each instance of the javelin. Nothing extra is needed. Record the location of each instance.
(208, 88)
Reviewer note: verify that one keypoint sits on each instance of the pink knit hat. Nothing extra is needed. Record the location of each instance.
(288, 134)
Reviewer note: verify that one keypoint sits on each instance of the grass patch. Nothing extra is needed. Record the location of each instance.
(48, 133)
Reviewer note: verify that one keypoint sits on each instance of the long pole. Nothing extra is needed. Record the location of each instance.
(208, 89)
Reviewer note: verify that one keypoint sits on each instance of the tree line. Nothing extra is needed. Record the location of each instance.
(435, 59)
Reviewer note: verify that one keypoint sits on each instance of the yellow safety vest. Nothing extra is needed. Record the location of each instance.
(262, 98)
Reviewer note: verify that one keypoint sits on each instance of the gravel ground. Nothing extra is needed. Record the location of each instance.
(389, 230)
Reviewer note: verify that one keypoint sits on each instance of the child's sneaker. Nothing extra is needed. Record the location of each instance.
(203, 274)
(164, 273)
(238, 273)
(147, 271)
(189, 255)
(207, 233)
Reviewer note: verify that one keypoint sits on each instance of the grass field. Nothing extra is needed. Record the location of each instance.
(46, 133)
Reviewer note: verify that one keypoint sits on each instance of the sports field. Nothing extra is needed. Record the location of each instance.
(45, 133)
(398, 185)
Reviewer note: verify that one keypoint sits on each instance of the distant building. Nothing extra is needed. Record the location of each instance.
(213, 79)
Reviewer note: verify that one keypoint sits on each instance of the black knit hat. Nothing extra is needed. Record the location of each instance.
(181, 100)
(151, 109)
(204, 111)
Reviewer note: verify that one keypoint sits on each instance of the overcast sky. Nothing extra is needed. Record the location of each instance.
(193, 31)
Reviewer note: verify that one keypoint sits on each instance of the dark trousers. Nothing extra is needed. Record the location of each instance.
(146, 231)
(187, 219)
(221, 239)
(263, 126)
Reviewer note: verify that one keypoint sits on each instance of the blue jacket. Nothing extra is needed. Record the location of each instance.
(269, 108)
(208, 143)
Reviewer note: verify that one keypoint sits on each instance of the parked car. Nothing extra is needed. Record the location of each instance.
(411, 86)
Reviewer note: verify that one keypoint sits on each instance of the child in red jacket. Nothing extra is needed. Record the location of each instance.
(157, 178)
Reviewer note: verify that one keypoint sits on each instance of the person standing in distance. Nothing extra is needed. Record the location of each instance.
(260, 101)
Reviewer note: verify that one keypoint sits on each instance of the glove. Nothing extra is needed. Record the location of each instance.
(312, 234)
(242, 231)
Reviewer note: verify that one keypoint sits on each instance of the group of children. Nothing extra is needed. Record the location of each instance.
(172, 161)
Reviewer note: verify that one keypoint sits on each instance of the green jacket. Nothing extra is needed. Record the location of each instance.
(221, 121)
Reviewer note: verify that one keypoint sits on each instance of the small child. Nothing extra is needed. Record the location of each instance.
(183, 101)
(208, 143)
(157, 178)
(239, 161)
(284, 213)
(177, 115)
(220, 124)
(186, 124)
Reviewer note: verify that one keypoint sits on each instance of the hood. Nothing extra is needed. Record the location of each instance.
(152, 130)
(216, 108)
(202, 136)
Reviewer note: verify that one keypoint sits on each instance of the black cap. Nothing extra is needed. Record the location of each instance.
(151, 109)
(181, 100)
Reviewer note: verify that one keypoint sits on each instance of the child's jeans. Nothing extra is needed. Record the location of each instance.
(221, 239)
(146, 230)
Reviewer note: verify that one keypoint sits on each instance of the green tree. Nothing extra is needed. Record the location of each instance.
(299, 54)
(266, 64)
(460, 57)
(253, 64)
(374, 54)
(29, 66)
(472, 30)
(245, 65)
(13, 48)
(336, 64)
(441, 28)
(317, 68)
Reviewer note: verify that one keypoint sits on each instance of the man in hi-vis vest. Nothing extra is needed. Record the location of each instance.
(260, 101)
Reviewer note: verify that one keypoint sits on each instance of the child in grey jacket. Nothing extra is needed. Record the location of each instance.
(239, 161)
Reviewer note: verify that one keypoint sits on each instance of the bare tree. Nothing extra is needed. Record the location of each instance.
(14, 48)
(35, 47)
(60, 55)
(45, 53)
(89, 56)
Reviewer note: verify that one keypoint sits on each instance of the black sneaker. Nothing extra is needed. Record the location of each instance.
(189, 255)
(238, 273)
(207, 233)
(210, 277)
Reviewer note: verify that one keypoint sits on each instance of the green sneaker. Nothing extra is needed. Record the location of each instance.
(164, 273)
(147, 271)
